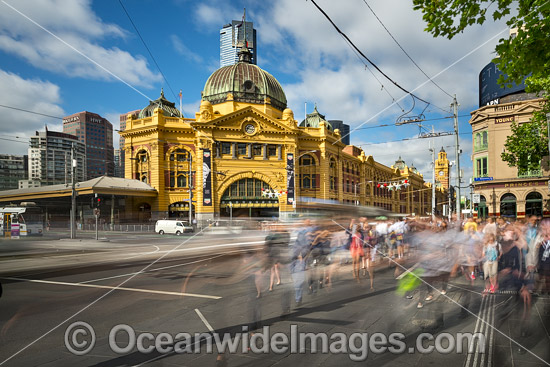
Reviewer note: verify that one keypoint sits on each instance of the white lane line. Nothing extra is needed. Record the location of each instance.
(491, 338)
(204, 320)
(469, 358)
(408, 271)
(116, 288)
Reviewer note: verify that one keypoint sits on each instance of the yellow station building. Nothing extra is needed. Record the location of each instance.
(244, 154)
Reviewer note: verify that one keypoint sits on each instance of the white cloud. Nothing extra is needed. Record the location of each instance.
(330, 73)
(29, 94)
(77, 24)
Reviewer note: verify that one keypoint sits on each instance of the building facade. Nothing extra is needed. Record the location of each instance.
(119, 156)
(233, 37)
(13, 168)
(243, 154)
(50, 159)
(96, 133)
(504, 190)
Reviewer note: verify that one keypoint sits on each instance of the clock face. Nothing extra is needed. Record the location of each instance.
(250, 129)
(441, 173)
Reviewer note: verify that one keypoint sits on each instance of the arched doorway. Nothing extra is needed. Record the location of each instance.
(508, 206)
(180, 210)
(533, 204)
(249, 197)
(482, 210)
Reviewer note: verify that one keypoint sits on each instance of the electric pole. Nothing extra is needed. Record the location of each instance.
(190, 181)
(433, 177)
(73, 194)
(454, 105)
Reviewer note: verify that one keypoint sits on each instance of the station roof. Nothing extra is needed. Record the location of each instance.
(103, 185)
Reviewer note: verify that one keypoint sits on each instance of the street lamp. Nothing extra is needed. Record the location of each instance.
(355, 190)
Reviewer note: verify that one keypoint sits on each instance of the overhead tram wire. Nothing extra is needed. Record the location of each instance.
(33, 112)
(366, 58)
(406, 139)
(405, 52)
(374, 75)
(149, 51)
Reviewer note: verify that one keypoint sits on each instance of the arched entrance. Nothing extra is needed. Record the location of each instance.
(180, 210)
(533, 204)
(482, 210)
(249, 197)
(508, 208)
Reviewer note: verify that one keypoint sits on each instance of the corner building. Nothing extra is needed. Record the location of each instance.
(243, 154)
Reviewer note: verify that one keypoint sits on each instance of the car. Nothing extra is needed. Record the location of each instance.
(176, 227)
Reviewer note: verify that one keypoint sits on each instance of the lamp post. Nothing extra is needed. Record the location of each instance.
(355, 190)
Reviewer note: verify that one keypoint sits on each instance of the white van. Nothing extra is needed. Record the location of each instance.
(176, 227)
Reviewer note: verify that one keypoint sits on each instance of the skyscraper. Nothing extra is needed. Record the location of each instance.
(50, 158)
(96, 133)
(232, 38)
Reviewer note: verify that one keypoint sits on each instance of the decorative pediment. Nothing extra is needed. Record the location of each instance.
(250, 121)
(528, 107)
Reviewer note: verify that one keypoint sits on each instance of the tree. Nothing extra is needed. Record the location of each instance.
(523, 57)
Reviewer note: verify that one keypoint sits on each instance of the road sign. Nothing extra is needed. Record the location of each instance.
(476, 198)
(96, 212)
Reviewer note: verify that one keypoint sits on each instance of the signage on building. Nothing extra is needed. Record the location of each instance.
(504, 120)
(206, 178)
(476, 198)
(96, 120)
(477, 179)
(71, 119)
(290, 178)
(516, 185)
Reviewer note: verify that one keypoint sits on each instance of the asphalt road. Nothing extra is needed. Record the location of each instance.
(212, 289)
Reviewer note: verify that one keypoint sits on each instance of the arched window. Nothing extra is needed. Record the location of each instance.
(484, 140)
(308, 172)
(333, 174)
(142, 166)
(179, 163)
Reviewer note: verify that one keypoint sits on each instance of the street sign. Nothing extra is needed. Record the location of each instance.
(96, 212)
(476, 198)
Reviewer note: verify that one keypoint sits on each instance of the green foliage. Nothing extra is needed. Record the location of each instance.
(527, 144)
(526, 56)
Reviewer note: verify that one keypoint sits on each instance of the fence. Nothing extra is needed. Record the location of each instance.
(119, 227)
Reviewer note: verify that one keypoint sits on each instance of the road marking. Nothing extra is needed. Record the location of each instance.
(204, 320)
(117, 288)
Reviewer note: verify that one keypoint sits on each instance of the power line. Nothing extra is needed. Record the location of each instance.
(393, 124)
(405, 52)
(150, 54)
(405, 139)
(33, 112)
(364, 56)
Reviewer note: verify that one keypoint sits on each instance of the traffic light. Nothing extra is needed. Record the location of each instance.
(96, 201)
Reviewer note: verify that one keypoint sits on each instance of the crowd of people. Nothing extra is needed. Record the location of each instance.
(505, 255)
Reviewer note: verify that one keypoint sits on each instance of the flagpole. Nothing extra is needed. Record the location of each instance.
(181, 111)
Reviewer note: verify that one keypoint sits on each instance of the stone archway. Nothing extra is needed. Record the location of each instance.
(249, 197)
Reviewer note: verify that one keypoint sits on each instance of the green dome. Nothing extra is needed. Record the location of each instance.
(246, 82)
(314, 119)
(168, 108)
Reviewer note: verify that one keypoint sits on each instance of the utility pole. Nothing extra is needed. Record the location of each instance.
(433, 177)
(73, 194)
(454, 105)
(449, 212)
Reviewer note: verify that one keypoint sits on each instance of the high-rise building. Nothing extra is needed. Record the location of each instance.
(50, 159)
(344, 130)
(96, 133)
(12, 169)
(122, 153)
(232, 39)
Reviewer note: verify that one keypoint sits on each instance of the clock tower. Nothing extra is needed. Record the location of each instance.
(442, 168)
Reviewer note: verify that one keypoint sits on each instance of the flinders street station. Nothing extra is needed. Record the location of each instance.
(244, 154)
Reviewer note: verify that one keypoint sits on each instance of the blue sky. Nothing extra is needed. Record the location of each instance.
(296, 44)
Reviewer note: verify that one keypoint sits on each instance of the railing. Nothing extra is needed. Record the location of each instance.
(119, 227)
(527, 174)
(482, 175)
